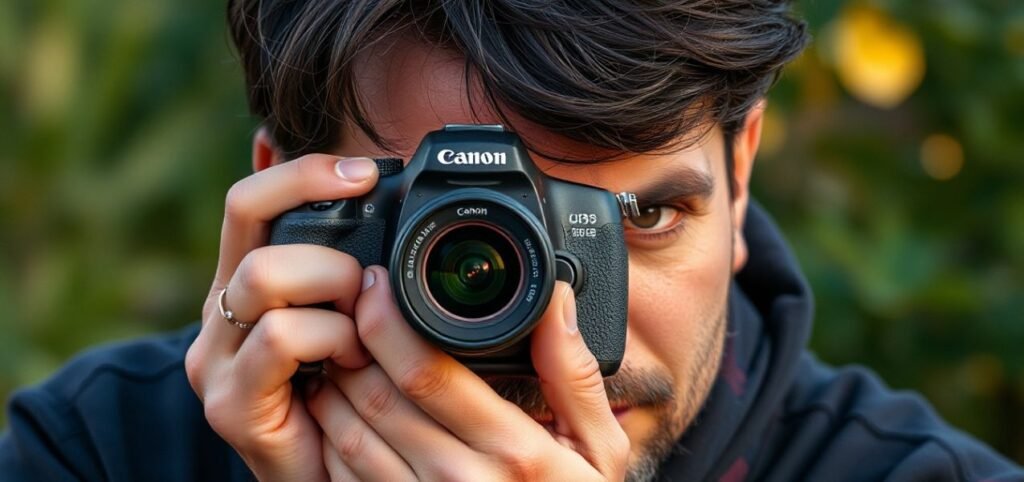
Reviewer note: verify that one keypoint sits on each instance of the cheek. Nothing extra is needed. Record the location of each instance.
(676, 295)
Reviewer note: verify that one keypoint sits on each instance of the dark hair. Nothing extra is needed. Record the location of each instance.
(624, 75)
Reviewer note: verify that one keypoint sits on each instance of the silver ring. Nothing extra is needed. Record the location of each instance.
(229, 315)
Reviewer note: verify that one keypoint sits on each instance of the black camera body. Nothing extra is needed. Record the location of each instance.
(474, 237)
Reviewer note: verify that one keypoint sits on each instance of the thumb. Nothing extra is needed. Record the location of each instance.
(572, 385)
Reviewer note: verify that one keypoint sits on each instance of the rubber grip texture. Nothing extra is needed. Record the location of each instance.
(362, 239)
(601, 306)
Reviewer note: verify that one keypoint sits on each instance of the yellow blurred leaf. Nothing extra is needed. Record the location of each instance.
(880, 61)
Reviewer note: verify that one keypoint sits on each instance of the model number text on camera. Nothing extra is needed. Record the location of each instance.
(582, 218)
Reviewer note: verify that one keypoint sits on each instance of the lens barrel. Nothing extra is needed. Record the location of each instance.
(473, 271)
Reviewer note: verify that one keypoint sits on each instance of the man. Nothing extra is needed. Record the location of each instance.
(664, 100)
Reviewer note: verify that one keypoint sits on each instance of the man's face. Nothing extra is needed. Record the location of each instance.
(681, 250)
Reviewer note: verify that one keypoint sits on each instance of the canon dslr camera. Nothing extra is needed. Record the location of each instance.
(474, 237)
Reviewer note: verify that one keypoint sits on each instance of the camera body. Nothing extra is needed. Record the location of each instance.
(474, 237)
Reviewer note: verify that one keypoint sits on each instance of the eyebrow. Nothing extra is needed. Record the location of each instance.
(677, 183)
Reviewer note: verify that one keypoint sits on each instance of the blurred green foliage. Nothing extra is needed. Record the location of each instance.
(893, 157)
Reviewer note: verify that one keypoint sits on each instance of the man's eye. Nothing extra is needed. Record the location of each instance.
(655, 218)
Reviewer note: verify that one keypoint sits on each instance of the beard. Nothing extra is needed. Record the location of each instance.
(649, 388)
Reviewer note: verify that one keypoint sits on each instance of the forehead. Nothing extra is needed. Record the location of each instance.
(410, 87)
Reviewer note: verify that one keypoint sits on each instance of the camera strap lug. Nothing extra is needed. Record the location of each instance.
(628, 205)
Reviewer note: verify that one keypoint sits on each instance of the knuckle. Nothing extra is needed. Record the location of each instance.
(348, 264)
(587, 372)
(371, 327)
(238, 203)
(256, 271)
(194, 364)
(217, 409)
(350, 442)
(306, 168)
(422, 382)
(342, 263)
(272, 331)
(381, 400)
(521, 462)
(442, 469)
(592, 386)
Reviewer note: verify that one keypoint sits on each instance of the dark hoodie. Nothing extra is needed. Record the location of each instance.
(127, 412)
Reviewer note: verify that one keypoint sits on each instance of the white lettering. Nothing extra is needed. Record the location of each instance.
(471, 211)
(449, 157)
(410, 260)
(582, 218)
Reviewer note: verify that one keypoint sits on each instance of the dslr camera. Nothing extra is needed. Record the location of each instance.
(474, 237)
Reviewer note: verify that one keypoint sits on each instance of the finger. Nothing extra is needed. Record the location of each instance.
(444, 388)
(573, 387)
(256, 200)
(285, 337)
(417, 438)
(353, 443)
(336, 469)
(293, 275)
(274, 277)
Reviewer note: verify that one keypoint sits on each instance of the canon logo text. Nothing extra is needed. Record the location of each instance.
(448, 157)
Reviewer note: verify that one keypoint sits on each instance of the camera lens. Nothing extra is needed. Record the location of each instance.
(473, 271)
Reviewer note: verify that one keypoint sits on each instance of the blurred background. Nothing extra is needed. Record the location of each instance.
(893, 158)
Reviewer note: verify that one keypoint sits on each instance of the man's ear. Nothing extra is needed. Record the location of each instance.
(744, 150)
(264, 152)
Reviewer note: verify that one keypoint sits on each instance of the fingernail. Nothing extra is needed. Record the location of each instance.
(355, 169)
(312, 385)
(569, 311)
(368, 279)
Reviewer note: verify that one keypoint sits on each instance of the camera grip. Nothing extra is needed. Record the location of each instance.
(361, 238)
(601, 306)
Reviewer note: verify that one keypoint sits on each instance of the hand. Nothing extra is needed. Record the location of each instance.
(243, 376)
(416, 413)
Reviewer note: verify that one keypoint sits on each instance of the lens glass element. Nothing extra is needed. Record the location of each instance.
(473, 271)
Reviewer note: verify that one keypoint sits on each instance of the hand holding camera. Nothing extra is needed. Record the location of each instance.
(475, 236)
(416, 413)
(474, 255)
(243, 375)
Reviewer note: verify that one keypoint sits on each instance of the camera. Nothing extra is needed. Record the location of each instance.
(474, 237)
